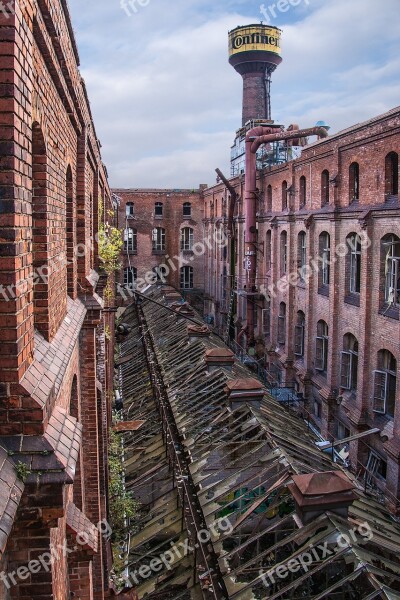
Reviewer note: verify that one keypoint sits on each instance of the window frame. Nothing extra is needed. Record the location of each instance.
(299, 334)
(158, 210)
(130, 240)
(188, 214)
(322, 348)
(127, 283)
(187, 241)
(186, 283)
(159, 239)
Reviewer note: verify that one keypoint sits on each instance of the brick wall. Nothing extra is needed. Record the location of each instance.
(373, 215)
(52, 180)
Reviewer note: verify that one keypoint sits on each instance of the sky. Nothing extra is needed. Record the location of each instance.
(166, 103)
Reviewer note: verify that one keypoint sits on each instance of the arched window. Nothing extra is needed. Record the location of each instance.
(284, 253)
(268, 251)
(158, 239)
(269, 198)
(187, 238)
(187, 210)
(324, 187)
(284, 195)
(391, 269)
(392, 174)
(354, 263)
(40, 240)
(322, 347)
(354, 182)
(186, 278)
(130, 209)
(158, 209)
(71, 234)
(130, 276)
(302, 254)
(349, 363)
(325, 257)
(303, 191)
(282, 324)
(74, 399)
(160, 273)
(385, 383)
(130, 240)
(299, 334)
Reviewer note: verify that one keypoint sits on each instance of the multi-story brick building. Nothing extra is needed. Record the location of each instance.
(56, 366)
(327, 297)
(164, 236)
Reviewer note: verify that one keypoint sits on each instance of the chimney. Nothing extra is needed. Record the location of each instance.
(198, 332)
(219, 358)
(245, 391)
(316, 493)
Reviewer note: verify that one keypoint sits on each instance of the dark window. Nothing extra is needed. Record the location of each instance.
(349, 363)
(392, 174)
(282, 324)
(71, 234)
(284, 252)
(269, 198)
(130, 240)
(321, 347)
(385, 383)
(303, 191)
(187, 209)
(158, 209)
(130, 276)
(160, 273)
(324, 187)
(268, 251)
(302, 254)
(299, 334)
(266, 319)
(354, 182)
(187, 278)
(354, 263)
(284, 195)
(159, 239)
(130, 209)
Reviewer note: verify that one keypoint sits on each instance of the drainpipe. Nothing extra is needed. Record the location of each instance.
(254, 139)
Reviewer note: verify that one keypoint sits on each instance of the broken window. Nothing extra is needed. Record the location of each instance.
(392, 174)
(354, 182)
(187, 238)
(325, 256)
(302, 254)
(354, 264)
(391, 248)
(282, 324)
(130, 240)
(385, 384)
(303, 191)
(324, 187)
(159, 239)
(284, 195)
(268, 251)
(158, 209)
(130, 276)
(349, 363)
(187, 210)
(299, 332)
(321, 347)
(284, 249)
(130, 209)
(186, 278)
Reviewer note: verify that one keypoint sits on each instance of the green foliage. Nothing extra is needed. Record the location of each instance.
(23, 471)
(110, 242)
(122, 504)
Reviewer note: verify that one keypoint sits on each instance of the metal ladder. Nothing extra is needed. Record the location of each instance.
(229, 318)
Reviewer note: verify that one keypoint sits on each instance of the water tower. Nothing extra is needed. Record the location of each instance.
(255, 52)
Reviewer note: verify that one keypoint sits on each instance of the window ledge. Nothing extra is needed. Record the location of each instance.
(353, 299)
(158, 217)
(158, 252)
(323, 290)
(392, 312)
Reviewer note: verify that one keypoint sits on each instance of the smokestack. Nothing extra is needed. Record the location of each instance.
(316, 493)
(254, 52)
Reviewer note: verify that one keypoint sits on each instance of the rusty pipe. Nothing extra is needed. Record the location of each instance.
(254, 139)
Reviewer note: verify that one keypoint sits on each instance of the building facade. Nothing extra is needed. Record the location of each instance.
(56, 363)
(163, 240)
(327, 296)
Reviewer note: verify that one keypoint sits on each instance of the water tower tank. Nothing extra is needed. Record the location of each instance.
(255, 52)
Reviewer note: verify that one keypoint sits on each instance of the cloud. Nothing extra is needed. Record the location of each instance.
(167, 104)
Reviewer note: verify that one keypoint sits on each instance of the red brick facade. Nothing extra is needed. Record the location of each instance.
(342, 304)
(56, 366)
(178, 213)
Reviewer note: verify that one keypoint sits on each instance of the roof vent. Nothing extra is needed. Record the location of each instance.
(219, 358)
(245, 391)
(196, 332)
(316, 493)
